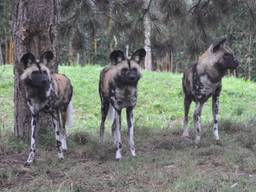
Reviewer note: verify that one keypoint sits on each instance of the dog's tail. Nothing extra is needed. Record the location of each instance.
(111, 114)
(69, 112)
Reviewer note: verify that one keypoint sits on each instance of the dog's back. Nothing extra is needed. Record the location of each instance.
(63, 89)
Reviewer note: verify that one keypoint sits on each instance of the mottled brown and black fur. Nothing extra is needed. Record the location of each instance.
(202, 80)
(118, 90)
(49, 93)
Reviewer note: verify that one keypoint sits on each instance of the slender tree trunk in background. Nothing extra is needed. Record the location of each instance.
(171, 63)
(94, 42)
(34, 30)
(71, 51)
(1, 56)
(6, 50)
(78, 58)
(147, 36)
(9, 51)
(110, 24)
(249, 58)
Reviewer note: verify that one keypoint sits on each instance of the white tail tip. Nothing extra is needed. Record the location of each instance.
(111, 114)
(69, 119)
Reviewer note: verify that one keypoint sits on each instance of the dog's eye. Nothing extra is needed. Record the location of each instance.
(35, 72)
(134, 69)
(227, 56)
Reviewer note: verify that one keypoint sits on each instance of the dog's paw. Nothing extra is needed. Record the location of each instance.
(218, 142)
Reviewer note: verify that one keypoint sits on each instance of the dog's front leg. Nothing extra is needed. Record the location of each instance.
(187, 102)
(56, 125)
(63, 134)
(130, 122)
(104, 112)
(117, 135)
(197, 121)
(215, 112)
(31, 156)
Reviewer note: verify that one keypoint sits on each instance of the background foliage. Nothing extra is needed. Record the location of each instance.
(181, 30)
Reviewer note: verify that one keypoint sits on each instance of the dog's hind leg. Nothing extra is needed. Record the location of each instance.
(197, 121)
(117, 135)
(57, 131)
(104, 112)
(130, 123)
(187, 102)
(215, 111)
(63, 135)
(31, 156)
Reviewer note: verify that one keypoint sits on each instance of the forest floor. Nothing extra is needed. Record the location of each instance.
(165, 161)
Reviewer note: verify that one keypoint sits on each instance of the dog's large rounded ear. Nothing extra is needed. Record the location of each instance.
(116, 57)
(216, 46)
(139, 55)
(27, 59)
(47, 56)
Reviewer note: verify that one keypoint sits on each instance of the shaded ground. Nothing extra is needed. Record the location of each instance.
(165, 162)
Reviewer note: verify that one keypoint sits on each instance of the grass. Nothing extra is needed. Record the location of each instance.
(165, 162)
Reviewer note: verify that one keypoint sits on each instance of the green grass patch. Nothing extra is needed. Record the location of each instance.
(160, 100)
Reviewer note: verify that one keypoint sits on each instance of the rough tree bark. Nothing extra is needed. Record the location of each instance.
(34, 30)
(147, 36)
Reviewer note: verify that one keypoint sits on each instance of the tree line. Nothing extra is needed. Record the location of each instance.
(174, 32)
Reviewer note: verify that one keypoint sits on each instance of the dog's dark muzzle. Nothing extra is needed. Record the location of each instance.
(236, 63)
(40, 80)
(124, 80)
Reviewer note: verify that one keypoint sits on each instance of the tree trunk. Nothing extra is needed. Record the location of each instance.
(249, 58)
(35, 29)
(171, 63)
(94, 42)
(110, 24)
(1, 56)
(9, 51)
(147, 36)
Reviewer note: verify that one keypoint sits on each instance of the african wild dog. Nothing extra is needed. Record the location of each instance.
(46, 92)
(118, 90)
(203, 80)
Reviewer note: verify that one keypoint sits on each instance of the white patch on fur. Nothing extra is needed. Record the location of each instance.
(111, 114)
(63, 140)
(216, 132)
(60, 156)
(28, 71)
(48, 92)
(69, 118)
(31, 155)
(131, 137)
(208, 87)
(185, 132)
(118, 154)
(117, 137)
(198, 139)
(215, 129)
(31, 158)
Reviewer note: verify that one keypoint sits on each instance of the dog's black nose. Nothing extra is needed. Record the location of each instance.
(133, 77)
(44, 81)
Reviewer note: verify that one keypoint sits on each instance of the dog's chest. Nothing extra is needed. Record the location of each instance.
(124, 97)
(204, 87)
(46, 105)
